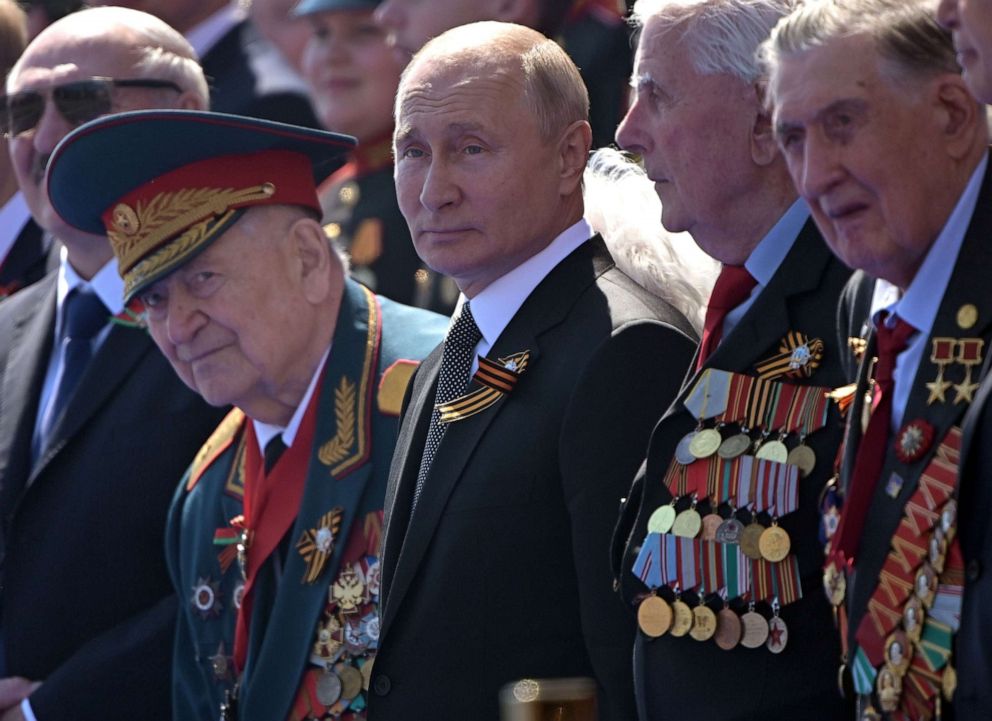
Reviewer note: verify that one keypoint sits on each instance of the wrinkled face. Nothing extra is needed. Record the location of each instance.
(693, 133)
(971, 24)
(352, 73)
(411, 23)
(476, 182)
(866, 153)
(53, 61)
(234, 322)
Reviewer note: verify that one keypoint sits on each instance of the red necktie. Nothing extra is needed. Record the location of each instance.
(890, 342)
(732, 288)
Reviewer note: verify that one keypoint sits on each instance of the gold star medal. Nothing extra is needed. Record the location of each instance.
(316, 545)
(941, 353)
(969, 355)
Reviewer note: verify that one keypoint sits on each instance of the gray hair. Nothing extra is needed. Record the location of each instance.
(905, 32)
(723, 36)
(160, 51)
(554, 90)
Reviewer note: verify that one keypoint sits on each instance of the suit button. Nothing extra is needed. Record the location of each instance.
(973, 570)
(382, 685)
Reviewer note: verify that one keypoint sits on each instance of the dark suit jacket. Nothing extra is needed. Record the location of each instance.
(232, 85)
(86, 600)
(680, 678)
(502, 572)
(973, 641)
(26, 262)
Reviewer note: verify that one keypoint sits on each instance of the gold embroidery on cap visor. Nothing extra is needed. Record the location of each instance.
(154, 237)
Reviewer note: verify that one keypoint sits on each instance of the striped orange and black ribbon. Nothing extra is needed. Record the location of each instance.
(496, 378)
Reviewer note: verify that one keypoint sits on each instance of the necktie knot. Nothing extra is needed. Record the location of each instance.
(273, 451)
(85, 314)
(733, 286)
(891, 340)
(464, 333)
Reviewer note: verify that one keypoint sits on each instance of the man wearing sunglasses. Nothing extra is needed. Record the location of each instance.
(95, 429)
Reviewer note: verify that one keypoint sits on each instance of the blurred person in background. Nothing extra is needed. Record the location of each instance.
(353, 75)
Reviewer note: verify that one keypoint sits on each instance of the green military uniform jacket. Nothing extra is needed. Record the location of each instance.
(310, 642)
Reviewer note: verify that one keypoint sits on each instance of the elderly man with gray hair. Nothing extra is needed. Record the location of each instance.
(889, 148)
(733, 629)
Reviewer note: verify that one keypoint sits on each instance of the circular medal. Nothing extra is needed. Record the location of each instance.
(681, 618)
(703, 623)
(913, 441)
(774, 544)
(728, 629)
(687, 523)
(754, 630)
(834, 584)
(937, 552)
(912, 618)
(949, 682)
(730, 531)
(778, 635)
(898, 652)
(351, 682)
(751, 540)
(734, 446)
(948, 516)
(773, 451)
(328, 688)
(888, 686)
(803, 458)
(711, 522)
(682, 453)
(662, 519)
(654, 616)
(705, 443)
(925, 586)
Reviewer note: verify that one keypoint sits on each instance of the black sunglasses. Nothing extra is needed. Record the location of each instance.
(78, 101)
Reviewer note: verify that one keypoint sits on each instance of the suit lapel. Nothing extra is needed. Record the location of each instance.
(336, 479)
(113, 362)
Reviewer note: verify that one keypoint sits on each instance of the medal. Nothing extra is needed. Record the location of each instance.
(711, 523)
(654, 616)
(682, 618)
(682, 453)
(755, 628)
(912, 618)
(730, 531)
(949, 682)
(778, 634)
(687, 523)
(328, 688)
(751, 540)
(803, 457)
(734, 446)
(941, 353)
(898, 653)
(703, 623)
(969, 355)
(662, 519)
(773, 451)
(834, 584)
(351, 682)
(913, 441)
(888, 687)
(774, 543)
(925, 586)
(728, 629)
(705, 443)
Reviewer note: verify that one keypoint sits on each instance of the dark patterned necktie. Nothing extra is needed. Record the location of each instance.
(453, 378)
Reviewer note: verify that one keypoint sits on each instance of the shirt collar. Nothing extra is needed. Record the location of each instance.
(207, 33)
(107, 284)
(497, 303)
(768, 255)
(918, 306)
(265, 432)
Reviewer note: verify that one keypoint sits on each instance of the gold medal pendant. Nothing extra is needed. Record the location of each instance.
(774, 543)
(773, 451)
(681, 618)
(751, 540)
(912, 618)
(351, 681)
(703, 623)
(803, 457)
(728, 630)
(705, 443)
(834, 585)
(898, 652)
(688, 523)
(661, 520)
(734, 446)
(888, 687)
(755, 628)
(654, 616)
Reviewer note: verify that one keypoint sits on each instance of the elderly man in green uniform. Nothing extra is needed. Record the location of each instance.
(274, 530)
